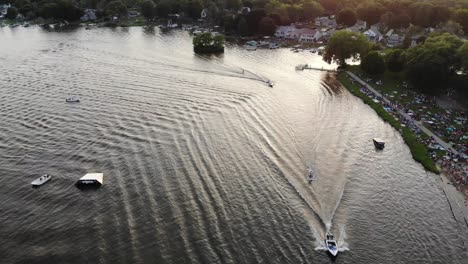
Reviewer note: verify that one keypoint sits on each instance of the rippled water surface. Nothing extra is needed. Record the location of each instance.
(202, 161)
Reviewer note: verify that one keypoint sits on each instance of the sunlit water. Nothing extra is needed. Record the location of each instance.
(202, 161)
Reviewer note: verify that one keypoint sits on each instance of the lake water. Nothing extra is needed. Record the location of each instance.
(202, 161)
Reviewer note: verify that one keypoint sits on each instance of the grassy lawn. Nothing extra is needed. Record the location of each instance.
(393, 87)
(418, 150)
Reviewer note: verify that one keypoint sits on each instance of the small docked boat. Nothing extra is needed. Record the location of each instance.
(72, 100)
(330, 242)
(311, 176)
(378, 143)
(251, 45)
(41, 180)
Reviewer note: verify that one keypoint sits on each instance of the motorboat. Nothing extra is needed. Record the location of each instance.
(251, 45)
(72, 100)
(378, 143)
(270, 84)
(330, 242)
(41, 180)
(311, 176)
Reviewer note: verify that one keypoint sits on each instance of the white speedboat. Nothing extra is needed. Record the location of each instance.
(270, 83)
(330, 242)
(41, 180)
(72, 100)
(311, 176)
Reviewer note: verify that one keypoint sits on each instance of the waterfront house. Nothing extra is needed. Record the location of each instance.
(373, 34)
(3, 8)
(307, 35)
(89, 15)
(204, 13)
(244, 10)
(325, 21)
(395, 40)
(358, 27)
(415, 40)
(285, 31)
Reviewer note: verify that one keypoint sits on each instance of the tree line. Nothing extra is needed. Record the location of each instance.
(264, 15)
(431, 67)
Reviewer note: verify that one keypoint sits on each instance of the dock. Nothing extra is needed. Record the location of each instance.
(302, 67)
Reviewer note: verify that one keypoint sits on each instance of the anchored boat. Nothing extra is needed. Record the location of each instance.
(41, 180)
(72, 100)
(378, 143)
(330, 242)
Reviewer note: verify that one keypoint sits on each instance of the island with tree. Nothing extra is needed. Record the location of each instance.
(208, 43)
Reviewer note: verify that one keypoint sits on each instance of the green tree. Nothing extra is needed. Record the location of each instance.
(206, 43)
(193, 8)
(463, 55)
(395, 60)
(427, 15)
(163, 9)
(346, 17)
(461, 16)
(311, 10)
(116, 8)
(395, 21)
(267, 26)
(60, 9)
(233, 4)
(218, 42)
(370, 12)
(242, 27)
(294, 12)
(373, 63)
(148, 9)
(452, 27)
(430, 65)
(12, 12)
(329, 5)
(344, 45)
(440, 14)
(229, 23)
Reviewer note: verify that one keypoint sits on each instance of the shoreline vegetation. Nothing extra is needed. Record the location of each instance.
(418, 150)
(208, 43)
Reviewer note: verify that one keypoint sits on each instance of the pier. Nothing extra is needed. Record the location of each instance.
(302, 67)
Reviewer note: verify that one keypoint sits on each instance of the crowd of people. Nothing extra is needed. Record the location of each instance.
(454, 165)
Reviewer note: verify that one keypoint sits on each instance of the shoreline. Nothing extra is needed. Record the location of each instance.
(418, 150)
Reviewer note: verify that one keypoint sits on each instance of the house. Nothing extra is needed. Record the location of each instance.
(325, 21)
(307, 35)
(204, 13)
(4, 8)
(415, 40)
(19, 17)
(373, 34)
(358, 27)
(324, 34)
(285, 31)
(89, 14)
(395, 40)
(244, 10)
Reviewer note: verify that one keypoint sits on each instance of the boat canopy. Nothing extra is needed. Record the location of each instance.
(97, 178)
(379, 140)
